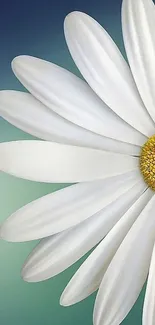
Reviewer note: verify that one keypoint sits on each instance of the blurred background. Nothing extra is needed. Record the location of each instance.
(36, 28)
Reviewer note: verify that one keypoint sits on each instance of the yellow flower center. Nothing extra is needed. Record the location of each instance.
(147, 162)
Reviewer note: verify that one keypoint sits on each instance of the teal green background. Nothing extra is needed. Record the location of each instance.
(38, 30)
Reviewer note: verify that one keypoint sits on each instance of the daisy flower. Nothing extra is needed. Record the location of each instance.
(100, 137)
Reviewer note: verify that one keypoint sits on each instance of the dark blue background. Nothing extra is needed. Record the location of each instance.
(36, 28)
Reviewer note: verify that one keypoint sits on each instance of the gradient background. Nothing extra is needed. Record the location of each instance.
(36, 28)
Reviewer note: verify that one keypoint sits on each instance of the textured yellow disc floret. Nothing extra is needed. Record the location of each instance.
(147, 162)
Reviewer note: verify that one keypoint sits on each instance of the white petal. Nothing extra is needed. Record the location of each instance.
(89, 276)
(149, 302)
(56, 253)
(106, 71)
(138, 22)
(72, 98)
(24, 111)
(52, 162)
(65, 208)
(128, 270)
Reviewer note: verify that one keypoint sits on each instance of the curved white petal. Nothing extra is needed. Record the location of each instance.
(89, 276)
(52, 162)
(72, 98)
(149, 302)
(128, 270)
(138, 22)
(30, 115)
(106, 71)
(65, 208)
(56, 253)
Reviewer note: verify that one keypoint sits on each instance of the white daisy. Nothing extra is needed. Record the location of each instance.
(99, 135)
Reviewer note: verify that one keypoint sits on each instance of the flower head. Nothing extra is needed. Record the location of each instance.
(100, 134)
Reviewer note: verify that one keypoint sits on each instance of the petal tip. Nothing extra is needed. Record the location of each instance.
(68, 19)
(19, 60)
(4, 94)
(64, 301)
(9, 233)
(25, 275)
(5, 233)
(72, 16)
(30, 273)
(16, 60)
